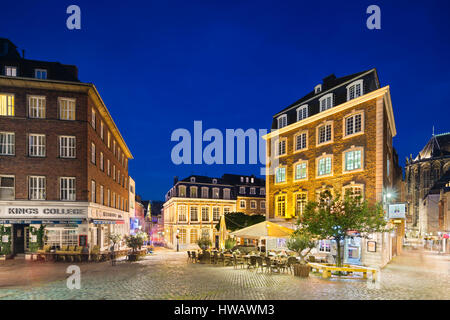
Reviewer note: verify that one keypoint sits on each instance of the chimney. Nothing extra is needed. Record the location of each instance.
(175, 180)
(331, 77)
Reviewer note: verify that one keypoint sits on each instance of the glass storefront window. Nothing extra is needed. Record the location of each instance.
(59, 237)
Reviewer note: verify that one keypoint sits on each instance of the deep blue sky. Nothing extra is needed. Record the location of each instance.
(160, 65)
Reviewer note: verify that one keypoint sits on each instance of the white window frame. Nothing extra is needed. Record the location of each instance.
(67, 108)
(67, 188)
(205, 192)
(326, 106)
(302, 112)
(276, 175)
(7, 143)
(93, 118)
(281, 146)
(41, 72)
(278, 211)
(182, 191)
(352, 185)
(301, 134)
(226, 194)
(344, 162)
(216, 193)
(353, 116)
(9, 71)
(13, 187)
(39, 148)
(283, 120)
(318, 159)
(93, 191)
(253, 204)
(262, 204)
(36, 107)
(304, 201)
(93, 153)
(216, 213)
(325, 124)
(7, 105)
(318, 88)
(300, 162)
(353, 86)
(205, 209)
(241, 190)
(191, 189)
(39, 185)
(262, 191)
(191, 209)
(67, 147)
(252, 190)
(242, 202)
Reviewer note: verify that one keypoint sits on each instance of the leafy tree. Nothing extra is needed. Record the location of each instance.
(334, 218)
(204, 242)
(238, 220)
(299, 241)
(230, 243)
(136, 241)
(114, 238)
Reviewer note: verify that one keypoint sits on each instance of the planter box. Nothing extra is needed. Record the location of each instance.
(301, 270)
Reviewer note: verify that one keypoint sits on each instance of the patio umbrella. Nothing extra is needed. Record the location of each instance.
(222, 233)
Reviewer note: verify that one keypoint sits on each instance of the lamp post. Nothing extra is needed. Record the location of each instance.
(178, 237)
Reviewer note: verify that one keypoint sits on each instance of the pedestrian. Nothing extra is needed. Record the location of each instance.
(113, 255)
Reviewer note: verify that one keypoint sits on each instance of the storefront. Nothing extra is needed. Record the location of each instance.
(103, 222)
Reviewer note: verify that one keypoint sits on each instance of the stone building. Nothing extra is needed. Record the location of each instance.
(338, 137)
(421, 174)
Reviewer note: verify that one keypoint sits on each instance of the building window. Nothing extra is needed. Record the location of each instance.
(300, 203)
(263, 204)
(241, 190)
(281, 147)
(7, 143)
(242, 179)
(353, 124)
(300, 141)
(226, 194)
(353, 159)
(101, 161)
(36, 188)
(7, 105)
(262, 191)
(113, 204)
(102, 198)
(282, 121)
(108, 198)
(67, 147)
(252, 190)
(92, 152)
(216, 193)
(36, 145)
(93, 118)
(280, 205)
(193, 192)
(226, 210)
(108, 167)
(182, 191)
(40, 73)
(205, 214)
(324, 166)
(216, 213)
(301, 170)
(192, 179)
(252, 204)
(109, 140)
(102, 128)
(193, 213)
(205, 192)
(355, 90)
(326, 102)
(318, 88)
(36, 107)
(242, 204)
(353, 190)
(67, 189)
(7, 189)
(324, 133)
(214, 181)
(193, 236)
(66, 109)
(11, 71)
(302, 112)
(280, 175)
(93, 192)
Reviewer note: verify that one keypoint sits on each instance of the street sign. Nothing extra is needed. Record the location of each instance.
(397, 211)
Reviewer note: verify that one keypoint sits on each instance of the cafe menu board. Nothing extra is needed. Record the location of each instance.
(82, 240)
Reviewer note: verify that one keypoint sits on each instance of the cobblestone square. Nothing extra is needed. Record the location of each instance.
(168, 275)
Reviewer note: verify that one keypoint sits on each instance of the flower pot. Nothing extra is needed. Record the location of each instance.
(301, 270)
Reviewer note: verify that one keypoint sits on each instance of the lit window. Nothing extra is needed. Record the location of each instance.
(280, 205)
(280, 175)
(93, 118)
(353, 124)
(282, 121)
(7, 105)
(301, 170)
(93, 191)
(67, 189)
(205, 192)
(193, 213)
(7, 143)
(36, 145)
(36, 188)
(7, 187)
(101, 161)
(324, 166)
(66, 109)
(216, 213)
(11, 71)
(353, 160)
(93, 153)
(205, 214)
(242, 204)
(281, 147)
(355, 90)
(302, 112)
(67, 146)
(326, 102)
(252, 204)
(102, 198)
(102, 126)
(324, 133)
(182, 191)
(300, 141)
(193, 192)
(215, 193)
(300, 203)
(193, 236)
(40, 73)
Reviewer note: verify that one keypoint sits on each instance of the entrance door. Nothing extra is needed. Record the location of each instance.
(18, 238)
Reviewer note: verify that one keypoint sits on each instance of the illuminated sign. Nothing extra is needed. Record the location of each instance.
(397, 211)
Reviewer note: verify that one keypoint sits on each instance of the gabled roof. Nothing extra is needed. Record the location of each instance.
(437, 146)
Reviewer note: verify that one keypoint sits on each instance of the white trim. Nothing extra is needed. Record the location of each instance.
(318, 88)
(355, 83)
(344, 124)
(323, 156)
(301, 108)
(294, 176)
(325, 123)
(295, 141)
(283, 116)
(344, 165)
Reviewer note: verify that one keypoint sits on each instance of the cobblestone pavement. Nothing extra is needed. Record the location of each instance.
(167, 275)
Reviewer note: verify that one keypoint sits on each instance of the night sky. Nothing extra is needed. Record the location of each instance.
(160, 65)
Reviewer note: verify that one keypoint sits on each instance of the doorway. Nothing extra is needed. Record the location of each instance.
(18, 238)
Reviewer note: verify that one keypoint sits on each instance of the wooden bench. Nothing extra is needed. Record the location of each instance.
(327, 268)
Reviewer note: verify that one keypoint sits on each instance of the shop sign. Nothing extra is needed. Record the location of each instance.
(21, 212)
(100, 214)
(48, 222)
(397, 211)
(371, 246)
(5, 239)
(107, 222)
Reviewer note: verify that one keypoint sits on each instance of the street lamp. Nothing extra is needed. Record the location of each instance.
(178, 237)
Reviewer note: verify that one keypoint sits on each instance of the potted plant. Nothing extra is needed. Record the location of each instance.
(5, 242)
(204, 243)
(135, 242)
(299, 242)
(229, 244)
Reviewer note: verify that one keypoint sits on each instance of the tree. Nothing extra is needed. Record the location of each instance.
(238, 220)
(299, 241)
(114, 238)
(334, 218)
(204, 242)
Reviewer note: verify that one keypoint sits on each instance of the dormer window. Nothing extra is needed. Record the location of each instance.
(282, 121)
(302, 112)
(355, 89)
(326, 102)
(40, 73)
(214, 181)
(318, 89)
(242, 179)
(11, 71)
(192, 179)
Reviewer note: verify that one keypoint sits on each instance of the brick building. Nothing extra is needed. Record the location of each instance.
(337, 138)
(63, 161)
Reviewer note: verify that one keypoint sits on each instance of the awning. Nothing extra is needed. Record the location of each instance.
(41, 221)
(262, 230)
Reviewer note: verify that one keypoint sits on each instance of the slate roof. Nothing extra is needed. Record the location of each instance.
(437, 146)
